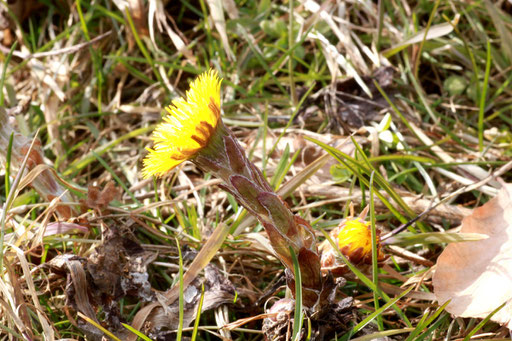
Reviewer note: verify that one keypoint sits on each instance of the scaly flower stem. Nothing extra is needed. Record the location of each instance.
(225, 158)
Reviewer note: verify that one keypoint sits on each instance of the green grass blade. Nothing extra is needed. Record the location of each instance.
(483, 322)
(143, 49)
(400, 157)
(257, 53)
(181, 300)
(198, 314)
(281, 167)
(445, 30)
(299, 312)
(8, 165)
(87, 159)
(341, 157)
(4, 72)
(424, 322)
(435, 326)
(383, 183)
(292, 117)
(375, 266)
(280, 178)
(136, 332)
(483, 95)
(407, 238)
(99, 326)
(10, 199)
(382, 335)
(379, 311)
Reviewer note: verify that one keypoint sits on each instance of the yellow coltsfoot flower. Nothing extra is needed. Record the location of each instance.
(194, 131)
(187, 128)
(353, 237)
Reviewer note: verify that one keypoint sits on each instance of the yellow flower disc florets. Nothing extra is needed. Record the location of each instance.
(355, 241)
(187, 128)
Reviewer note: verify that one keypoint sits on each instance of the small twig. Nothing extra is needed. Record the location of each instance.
(65, 50)
(408, 255)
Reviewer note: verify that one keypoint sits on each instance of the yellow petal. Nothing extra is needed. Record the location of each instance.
(187, 128)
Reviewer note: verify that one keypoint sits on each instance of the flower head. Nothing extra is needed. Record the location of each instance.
(355, 241)
(187, 128)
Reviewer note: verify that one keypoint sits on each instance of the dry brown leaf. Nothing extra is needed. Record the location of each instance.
(116, 269)
(218, 290)
(100, 198)
(41, 176)
(477, 276)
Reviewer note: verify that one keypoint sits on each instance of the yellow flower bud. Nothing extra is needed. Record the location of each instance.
(355, 241)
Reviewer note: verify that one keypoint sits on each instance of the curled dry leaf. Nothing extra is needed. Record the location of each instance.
(99, 198)
(477, 276)
(41, 177)
(116, 269)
